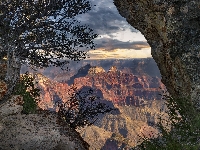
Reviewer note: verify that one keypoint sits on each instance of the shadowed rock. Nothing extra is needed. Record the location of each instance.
(172, 29)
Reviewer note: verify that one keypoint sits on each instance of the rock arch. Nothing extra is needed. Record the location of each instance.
(172, 29)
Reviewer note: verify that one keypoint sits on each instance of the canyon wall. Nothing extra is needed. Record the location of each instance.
(172, 29)
(123, 88)
(136, 97)
(116, 86)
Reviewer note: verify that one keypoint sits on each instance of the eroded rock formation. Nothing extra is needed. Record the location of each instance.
(136, 97)
(94, 70)
(116, 86)
(172, 29)
(123, 88)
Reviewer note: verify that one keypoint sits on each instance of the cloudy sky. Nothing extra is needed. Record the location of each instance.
(117, 39)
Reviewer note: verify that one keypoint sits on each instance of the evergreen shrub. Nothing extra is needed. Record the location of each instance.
(26, 88)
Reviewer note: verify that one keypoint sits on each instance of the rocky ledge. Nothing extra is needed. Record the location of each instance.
(39, 131)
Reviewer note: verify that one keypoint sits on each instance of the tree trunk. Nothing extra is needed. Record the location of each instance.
(12, 74)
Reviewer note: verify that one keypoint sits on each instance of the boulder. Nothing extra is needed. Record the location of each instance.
(41, 131)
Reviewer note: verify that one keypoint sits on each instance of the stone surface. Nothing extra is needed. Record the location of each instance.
(13, 106)
(37, 131)
(172, 29)
(40, 131)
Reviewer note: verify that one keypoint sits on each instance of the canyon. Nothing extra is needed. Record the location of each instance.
(172, 30)
(135, 96)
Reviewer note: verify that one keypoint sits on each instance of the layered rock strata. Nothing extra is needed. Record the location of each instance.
(123, 88)
(116, 86)
(136, 97)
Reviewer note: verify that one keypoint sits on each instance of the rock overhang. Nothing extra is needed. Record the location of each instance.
(172, 30)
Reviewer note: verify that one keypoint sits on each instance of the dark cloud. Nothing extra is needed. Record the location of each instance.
(106, 21)
(104, 18)
(108, 44)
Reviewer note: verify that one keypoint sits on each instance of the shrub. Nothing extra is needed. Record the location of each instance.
(185, 128)
(26, 88)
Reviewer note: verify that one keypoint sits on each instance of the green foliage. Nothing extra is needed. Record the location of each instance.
(185, 128)
(26, 88)
(60, 38)
(29, 26)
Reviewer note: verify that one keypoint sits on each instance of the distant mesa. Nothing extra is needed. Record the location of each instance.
(94, 70)
(41, 78)
(112, 69)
